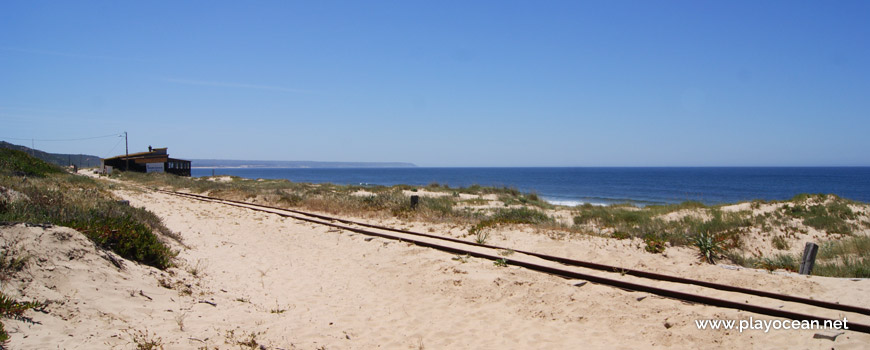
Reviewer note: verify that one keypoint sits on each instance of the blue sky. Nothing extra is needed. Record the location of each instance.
(444, 83)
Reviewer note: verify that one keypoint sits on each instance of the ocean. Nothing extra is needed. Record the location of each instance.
(601, 186)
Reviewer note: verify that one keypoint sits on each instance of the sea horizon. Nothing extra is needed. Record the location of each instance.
(549, 166)
(599, 185)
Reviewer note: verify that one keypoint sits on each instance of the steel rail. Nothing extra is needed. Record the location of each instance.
(858, 327)
(574, 262)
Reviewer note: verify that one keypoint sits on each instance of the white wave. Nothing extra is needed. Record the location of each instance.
(571, 203)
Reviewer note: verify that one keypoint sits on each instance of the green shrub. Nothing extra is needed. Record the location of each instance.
(830, 218)
(780, 242)
(739, 257)
(611, 217)
(287, 199)
(620, 235)
(641, 222)
(441, 207)
(83, 204)
(520, 216)
(722, 222)
(853, 245)
(670, 208)
(125, 236)
(654, 244)
(709, 245)
(11, 261)
(11, 308)
(507, 216)
(474, 201)
(726, 227)
(804, 197)
(847, 257)
(780, 261)
(847, 266)
(18, 163)
(480, 233)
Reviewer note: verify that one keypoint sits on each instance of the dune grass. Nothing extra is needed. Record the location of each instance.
(12, 261)
(361, 201)
(786, 262)
(848, 257)
(34, 191)
(715, 232)
(18, 163)
(505, 217)
(648, 223)
(845, 254)
(14, 309)
(369, 201)
(50, 195)
(827, 213)
(613, 217)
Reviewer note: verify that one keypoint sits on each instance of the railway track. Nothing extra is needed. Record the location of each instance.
(458, 246)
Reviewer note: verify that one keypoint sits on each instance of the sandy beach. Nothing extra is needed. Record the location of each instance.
(310, 175)
(249, 279)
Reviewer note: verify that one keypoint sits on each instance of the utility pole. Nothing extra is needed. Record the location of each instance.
(127, 151)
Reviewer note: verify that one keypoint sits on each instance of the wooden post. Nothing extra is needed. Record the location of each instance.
(127, 152)
(809, 258)
(415, 199)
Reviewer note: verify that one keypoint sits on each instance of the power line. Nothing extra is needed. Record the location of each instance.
(52, 140)
(109, 153)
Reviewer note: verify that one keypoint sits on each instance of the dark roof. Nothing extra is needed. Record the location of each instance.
(154, 153)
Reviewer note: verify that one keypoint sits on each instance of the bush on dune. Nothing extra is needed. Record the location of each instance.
(53, 196)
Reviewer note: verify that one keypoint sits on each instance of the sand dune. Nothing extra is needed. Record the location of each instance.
(254, 278)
